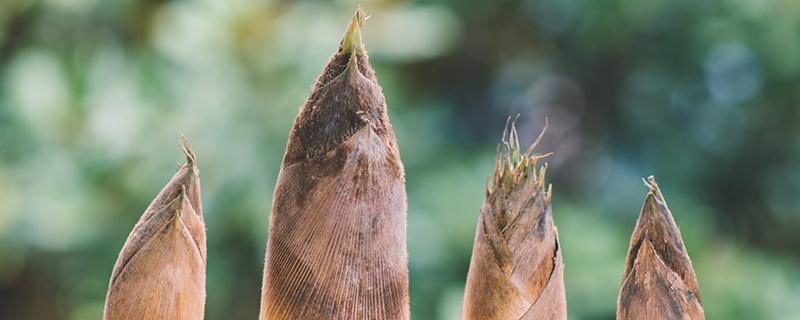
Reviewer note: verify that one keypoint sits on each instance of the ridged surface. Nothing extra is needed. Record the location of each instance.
(337, 233)
(160, 272)
(659, 282)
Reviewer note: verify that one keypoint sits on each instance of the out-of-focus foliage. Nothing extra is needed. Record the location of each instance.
(705, 95)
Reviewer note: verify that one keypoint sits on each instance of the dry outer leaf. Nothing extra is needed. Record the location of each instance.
(337, 233)
(659, 282)
(516, 271)
(160, 272)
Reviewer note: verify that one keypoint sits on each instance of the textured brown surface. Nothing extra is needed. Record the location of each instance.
(337, 233)
(516, 270)
(659, 282)
(160, 272)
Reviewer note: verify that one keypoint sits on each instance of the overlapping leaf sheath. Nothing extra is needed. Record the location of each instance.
(337, 234)
(516, 270)
(160, 272)
(659, 282)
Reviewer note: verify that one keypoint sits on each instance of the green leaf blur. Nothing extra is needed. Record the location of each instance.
(704, 95)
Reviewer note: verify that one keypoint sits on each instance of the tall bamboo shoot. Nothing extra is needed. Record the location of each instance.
(337, 233)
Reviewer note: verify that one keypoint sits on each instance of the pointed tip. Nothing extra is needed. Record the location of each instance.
(541, 176)
(657, 227)
(182, 194)
(187, 149)
(176, 219)
(352, 64)
(351, 41)
(176, 206)
(180, 200)
(645, 252)
(655, 221)
(653, 194)
(651, 184)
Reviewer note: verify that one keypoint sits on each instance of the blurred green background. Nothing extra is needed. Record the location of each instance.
(703, 94)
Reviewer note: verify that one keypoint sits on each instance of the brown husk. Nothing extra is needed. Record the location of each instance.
(659, 282)
(337, 234)
(516, 271)
(160, 271)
